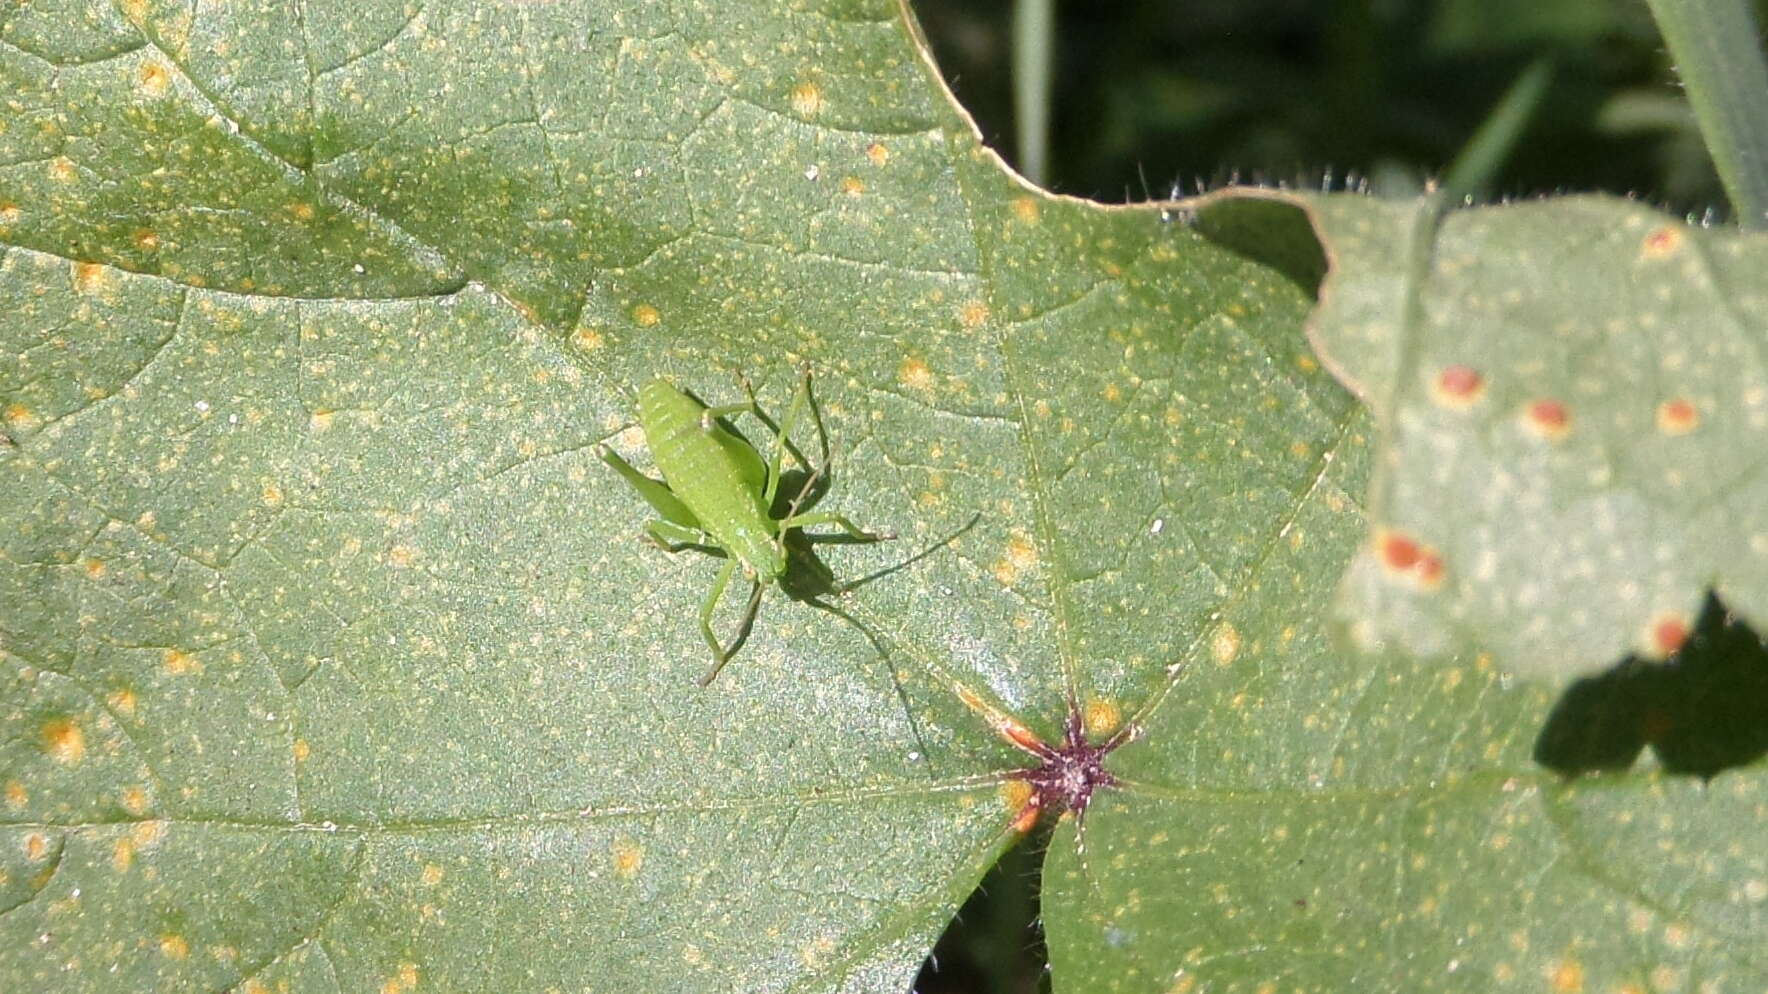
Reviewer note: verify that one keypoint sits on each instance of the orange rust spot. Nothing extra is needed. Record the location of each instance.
(1430, 568)
(1397, 551)
(853, 186)
(64, 740)
(16, 795)
(91, 277)
(9, 213)
(1101, 716)
(1015, 795)
(174, 946)
(432, 875)
(146, 834)
(1662, 242)
(94, 567)
(807, 99)
(301, 211)
(61, 169)
(877, 153)
(180, 663)
(1677, 417)
(629, 857)
(915, 374)
(1027, 819)
(1668, 633)
(36, 846)
(1026, 209)
(123, 854)
(1568, 977)
(1458, 386)
(402, 556)
(135, 800)
(587, 339)
(146, 240)
(20, 416)
(973, 314)
(302, 750)
(1548, 418)
(154, 78)
(122, 701)
(646, 316)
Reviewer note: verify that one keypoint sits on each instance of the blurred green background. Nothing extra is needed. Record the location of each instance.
(1149, 97)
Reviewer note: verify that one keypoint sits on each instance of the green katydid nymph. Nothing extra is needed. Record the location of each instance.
(719, 494)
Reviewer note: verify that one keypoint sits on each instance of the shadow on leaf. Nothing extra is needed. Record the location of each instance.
(1703, 711)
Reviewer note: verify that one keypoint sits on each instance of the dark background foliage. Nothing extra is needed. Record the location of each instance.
(1297, 91)
(1155, 97)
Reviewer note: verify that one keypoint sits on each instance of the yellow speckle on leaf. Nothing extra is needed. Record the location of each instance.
(91, 277)
(816, 953)
(272, 495)
(180, 663)
(147, 833)
(645, 316)
(914, 374)
(1306, 363)
(302, 750)
(1102, 716)
(1567, 977)
(64, 741)
(587, 339)
(853, 186)
(402, 556)
(1026, 209)
(61, 169)
(173, 946)
(20, 416)
(1226, 644)
(1014, 795)
(432, 875)
(629, 858)
(301, 211)
(320, 421)
(807, 99)
(123, 854)
(146, 240)
(154, 78)
(973, 313)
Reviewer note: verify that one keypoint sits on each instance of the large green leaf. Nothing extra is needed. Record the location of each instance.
(332, 660)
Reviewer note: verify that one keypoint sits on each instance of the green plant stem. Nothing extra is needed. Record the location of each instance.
(1719, 57)
(1485, 153)
(1034, 25)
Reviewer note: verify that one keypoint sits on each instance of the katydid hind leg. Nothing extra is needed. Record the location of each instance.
(707, 607)
(655, 492)
(743, 627)
(671, 537)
